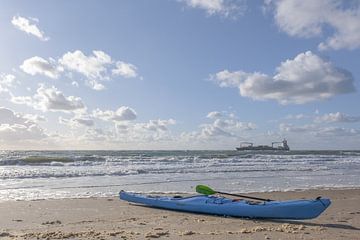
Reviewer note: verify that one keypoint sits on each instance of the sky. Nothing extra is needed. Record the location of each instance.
(179, 74)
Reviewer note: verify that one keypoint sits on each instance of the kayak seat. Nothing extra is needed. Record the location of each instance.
(177, 196)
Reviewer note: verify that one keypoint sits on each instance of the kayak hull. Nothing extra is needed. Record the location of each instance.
(292, 209)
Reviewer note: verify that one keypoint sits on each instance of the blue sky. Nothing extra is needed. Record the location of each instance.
(186, 74)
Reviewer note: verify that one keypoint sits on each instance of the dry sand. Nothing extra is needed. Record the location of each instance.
(110, 218)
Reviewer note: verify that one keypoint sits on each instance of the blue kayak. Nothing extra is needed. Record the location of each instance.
(291, 209)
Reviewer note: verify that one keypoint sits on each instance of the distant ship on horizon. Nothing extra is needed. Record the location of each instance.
(250, 146)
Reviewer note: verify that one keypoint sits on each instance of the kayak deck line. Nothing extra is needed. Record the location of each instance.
(215, 205)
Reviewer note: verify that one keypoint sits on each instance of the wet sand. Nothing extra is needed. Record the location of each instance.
(111, 218)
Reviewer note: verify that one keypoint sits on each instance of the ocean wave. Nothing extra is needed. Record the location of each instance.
(49, 160)
(75, 173)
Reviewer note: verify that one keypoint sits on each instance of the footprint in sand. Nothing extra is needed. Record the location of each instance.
(5, 234)
(17, 220)
(51, 222)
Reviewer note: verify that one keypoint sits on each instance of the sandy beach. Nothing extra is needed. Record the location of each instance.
(111, 218)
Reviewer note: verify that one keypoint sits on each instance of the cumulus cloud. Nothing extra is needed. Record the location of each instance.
(17, 132)
(35, 118)
(124, 69)
(6, 81)
(297, 116)
(319, 130)
(145, 132)
(18, 127)
(123, 113)
(130, 132)
(288, 127)
(214, 114)
(337, 132)
(226, 8)
(98, 135)
(50, 99)
(94, 84)
(311, 18)
(54, 100)
(7, 116)
(28, 25)
(96, 67)
(337, 117)
(222, 125)
(77, 121)
(75, 83)
(92, 66)
(155, 125)
(305, 78)
(225, 127)
(38, 65)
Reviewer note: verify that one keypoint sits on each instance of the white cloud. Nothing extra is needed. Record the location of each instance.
(223, 126)
(98, 135)
(7, 116)
(126, 70)
(226, 8)
(336, 118)
(147, 132)
(337, 132)
(77, 121)
(127, 132)
(26, 100)
(305, 78)
(50, 99)
(285, 127)
(35, 118)
(319, 130)
(6, 81)
(214, 114)
(96, 67)
(38, 65)
(18, 127)
(311, 18)
(96, 85)
(92, 66)
(155, 125)
(17, 132)
(123, 113)
(28, 26)
(297, 116)
(75, 83)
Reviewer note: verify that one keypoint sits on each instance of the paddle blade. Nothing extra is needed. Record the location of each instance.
(204, 190)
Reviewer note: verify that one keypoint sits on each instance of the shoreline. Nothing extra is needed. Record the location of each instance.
(169, 193)
(111, 218)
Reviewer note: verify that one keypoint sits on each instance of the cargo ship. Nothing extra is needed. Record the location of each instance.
(250, 146)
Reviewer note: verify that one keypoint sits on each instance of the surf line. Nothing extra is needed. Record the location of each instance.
(114, 185)
(138, 184)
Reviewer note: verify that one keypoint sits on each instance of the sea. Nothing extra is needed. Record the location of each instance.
(33, 175)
